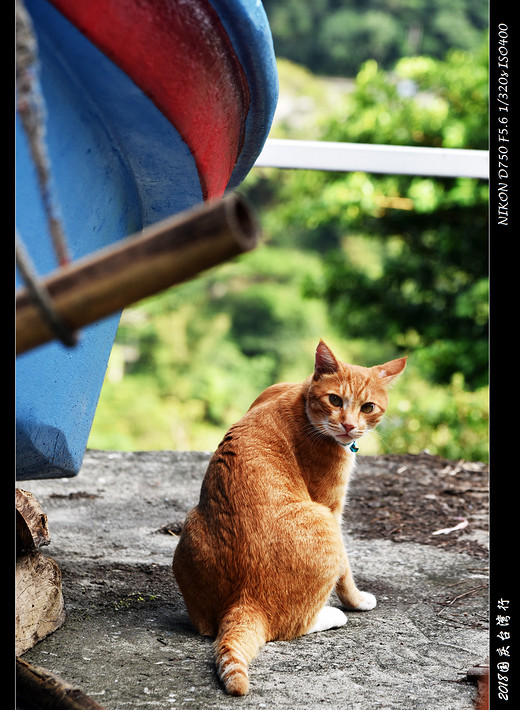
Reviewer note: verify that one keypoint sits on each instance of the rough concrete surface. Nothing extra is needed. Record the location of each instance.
(127, 641)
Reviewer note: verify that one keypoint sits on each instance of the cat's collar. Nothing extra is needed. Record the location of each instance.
(352, 446)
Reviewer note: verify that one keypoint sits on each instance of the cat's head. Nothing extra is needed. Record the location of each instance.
(345, 401)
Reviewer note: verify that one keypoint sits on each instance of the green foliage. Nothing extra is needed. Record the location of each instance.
(188, 363)
(423, 102)
(376, 265)
(405, 257)
(449, 421)
(334, 38)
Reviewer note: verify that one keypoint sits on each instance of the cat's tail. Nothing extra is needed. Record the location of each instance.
(241, 635)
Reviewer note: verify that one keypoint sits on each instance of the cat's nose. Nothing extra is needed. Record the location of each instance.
(348, 427)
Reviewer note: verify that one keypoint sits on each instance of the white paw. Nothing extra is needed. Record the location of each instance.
(368, 601)
(328, 618)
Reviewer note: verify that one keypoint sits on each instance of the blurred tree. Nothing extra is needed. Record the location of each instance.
(373, 264)
(334, 37)
(421, 280)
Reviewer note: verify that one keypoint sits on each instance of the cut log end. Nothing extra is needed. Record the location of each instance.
(32, 530)
(39, 600)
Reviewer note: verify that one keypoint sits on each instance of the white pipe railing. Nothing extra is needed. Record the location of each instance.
(372, 158)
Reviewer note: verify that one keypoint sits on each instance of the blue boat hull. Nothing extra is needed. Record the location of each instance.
(118, 165)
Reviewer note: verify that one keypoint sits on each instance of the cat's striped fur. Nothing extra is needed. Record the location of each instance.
(261, 552)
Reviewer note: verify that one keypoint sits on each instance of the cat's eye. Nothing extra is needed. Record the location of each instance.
(335, 400)
(367, 407)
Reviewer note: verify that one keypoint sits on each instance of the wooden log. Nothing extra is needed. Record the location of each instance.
(164, 254)
(32, 530)
(39, 600)
(37, 687)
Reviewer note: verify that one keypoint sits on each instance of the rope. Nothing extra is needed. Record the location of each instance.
(41, 297)
(31, 109)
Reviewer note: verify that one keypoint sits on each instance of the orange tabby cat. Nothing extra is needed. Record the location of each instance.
(262, 551)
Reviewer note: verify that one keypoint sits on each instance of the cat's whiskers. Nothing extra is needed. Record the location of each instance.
(316, 431)
(375, 434)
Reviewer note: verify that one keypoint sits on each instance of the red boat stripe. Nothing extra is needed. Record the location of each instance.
(180, 56)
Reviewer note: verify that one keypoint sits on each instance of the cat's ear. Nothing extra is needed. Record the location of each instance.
(390, 371)
(325, 362)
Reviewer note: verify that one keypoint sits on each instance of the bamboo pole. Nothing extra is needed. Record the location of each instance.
(167, 253)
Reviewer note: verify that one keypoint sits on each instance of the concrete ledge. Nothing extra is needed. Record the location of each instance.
(127, 641)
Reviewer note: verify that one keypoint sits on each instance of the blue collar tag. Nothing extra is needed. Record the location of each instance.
(351, 446)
